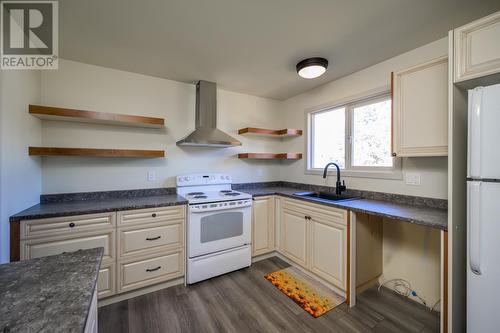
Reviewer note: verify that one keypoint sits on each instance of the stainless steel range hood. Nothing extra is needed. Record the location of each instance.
(206, 133)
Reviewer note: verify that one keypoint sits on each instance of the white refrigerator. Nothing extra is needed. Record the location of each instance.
(483, 210)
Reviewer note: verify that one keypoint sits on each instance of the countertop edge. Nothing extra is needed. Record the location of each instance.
(20, 217)
(360, 210)
(94, 288)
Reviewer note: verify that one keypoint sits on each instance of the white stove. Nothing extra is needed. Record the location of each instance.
(206, 188)
(218, 225)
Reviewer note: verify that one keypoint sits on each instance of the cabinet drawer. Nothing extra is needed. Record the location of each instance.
(66, 225)
(153, 215)
(311, 209)
(43, 247)
(106, 280)
(139, 239)
(147, 271)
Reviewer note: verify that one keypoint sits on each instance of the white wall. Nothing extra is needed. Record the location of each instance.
(20, 175)
(87, 87)
(433, 170)
(413, 253)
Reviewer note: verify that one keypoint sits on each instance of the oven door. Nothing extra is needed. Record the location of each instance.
(217, 230)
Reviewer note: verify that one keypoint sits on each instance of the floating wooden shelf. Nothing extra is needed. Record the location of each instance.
(93, 152)
(53, 113)
(271, 156)
(263, 131)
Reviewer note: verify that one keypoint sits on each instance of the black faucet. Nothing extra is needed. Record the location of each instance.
(339, 187)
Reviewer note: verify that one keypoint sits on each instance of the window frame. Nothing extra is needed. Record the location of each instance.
(394, 172)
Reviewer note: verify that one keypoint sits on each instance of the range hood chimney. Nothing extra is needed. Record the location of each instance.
(206, 133)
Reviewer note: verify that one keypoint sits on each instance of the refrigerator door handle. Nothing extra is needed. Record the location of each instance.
(474, 135)
(474, 223)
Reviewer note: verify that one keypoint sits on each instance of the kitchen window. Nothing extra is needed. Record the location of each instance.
(356, 136)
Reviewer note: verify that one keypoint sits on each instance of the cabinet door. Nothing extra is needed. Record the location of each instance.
(328, 248)
(262, 225)
(106, 280)
(420, 110)
(294, 236)
(476, 48)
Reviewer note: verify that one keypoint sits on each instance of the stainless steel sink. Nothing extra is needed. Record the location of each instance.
(323, 196)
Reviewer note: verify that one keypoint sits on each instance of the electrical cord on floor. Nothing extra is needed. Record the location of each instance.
(403, 288)
(435, 304)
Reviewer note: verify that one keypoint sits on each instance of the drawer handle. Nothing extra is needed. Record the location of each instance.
(153, 215)
(153, 269)
(72, 225)
(153, 238)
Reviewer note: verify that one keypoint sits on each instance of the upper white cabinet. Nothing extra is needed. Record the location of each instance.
(263, 225)
(477, 48)
(420, 110)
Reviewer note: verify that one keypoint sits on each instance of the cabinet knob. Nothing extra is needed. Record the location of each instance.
(153, 215)
(394, 154)
(307, 217)
(72, 225)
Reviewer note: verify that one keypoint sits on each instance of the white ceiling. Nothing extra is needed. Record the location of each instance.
(252, 46)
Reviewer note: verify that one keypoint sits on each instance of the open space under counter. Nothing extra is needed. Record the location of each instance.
(400, 237)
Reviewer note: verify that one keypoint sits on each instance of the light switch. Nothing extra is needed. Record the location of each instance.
(412, 179)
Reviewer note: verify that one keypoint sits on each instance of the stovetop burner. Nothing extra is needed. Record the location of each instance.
(232, 194)
(196, 193)
(226, 191)
(200, 197)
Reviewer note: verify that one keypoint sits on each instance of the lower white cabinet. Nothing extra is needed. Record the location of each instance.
(144, 271)
(328, 249)
(48, 246)
(106, 282)
(294, 236)
(263, 225)
(315, 237)
(141, 247)
(150, 247)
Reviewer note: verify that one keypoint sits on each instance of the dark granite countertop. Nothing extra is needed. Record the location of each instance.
(49, 294)
(419, 210)
(418, 214)
(55, 209)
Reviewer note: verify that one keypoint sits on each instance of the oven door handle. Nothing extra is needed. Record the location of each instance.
(196, 210)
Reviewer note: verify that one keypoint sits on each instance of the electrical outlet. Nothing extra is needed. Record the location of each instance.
(413, 179)
(151, 176)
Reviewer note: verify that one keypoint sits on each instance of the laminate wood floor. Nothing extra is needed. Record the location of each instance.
(243, 301)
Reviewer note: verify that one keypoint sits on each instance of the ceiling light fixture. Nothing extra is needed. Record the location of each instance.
(311, 68)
